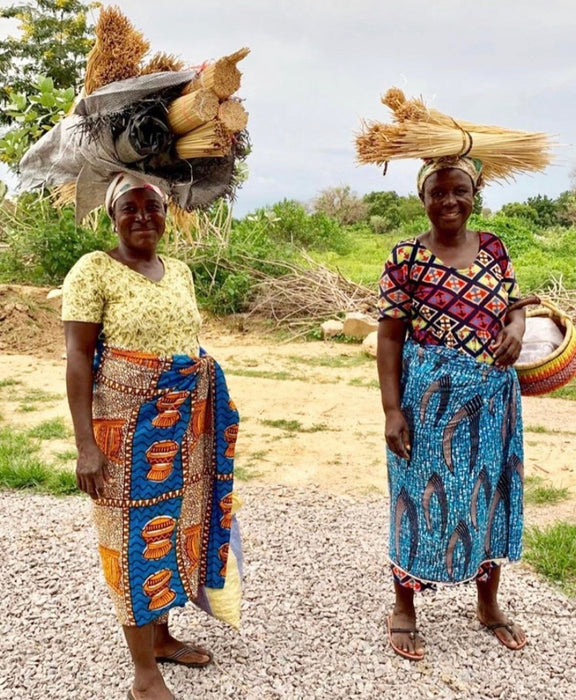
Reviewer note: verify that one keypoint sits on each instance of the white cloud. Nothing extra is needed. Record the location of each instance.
(317, 68)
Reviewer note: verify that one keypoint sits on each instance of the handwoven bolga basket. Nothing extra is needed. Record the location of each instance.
(556, 369)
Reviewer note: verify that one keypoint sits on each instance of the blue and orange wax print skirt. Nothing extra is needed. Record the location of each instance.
(165, 523)
(457, 502)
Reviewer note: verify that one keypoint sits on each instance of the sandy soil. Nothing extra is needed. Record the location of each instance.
(310, 411)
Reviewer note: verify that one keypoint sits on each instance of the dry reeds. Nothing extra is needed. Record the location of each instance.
(117, 53)
(211, 140)
(420, 132)
(222, 75)
(162, 63)
(189, 111)
(233, 115)
(62, 195)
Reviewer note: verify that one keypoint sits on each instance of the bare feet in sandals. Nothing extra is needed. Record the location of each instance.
(404, 636)
(506, 632)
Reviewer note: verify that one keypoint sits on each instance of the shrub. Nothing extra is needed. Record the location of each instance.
(44, 242)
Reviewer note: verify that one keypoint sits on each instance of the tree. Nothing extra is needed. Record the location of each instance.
(520, 210)
(341, 204)
(54, 42)
(546, 209)
(34, 114)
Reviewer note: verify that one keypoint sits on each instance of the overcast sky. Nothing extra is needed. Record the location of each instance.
(317, 67)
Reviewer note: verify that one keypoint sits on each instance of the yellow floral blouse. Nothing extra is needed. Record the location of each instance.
(136, 313)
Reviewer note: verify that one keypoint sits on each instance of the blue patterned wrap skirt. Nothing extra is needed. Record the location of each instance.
(457, 502)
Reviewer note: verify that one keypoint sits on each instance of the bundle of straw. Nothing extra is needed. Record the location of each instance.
(222, 76)
(425, 133)
(161, 63)
(117, 53)
(233, 115)
(189, 111)
(207, 141)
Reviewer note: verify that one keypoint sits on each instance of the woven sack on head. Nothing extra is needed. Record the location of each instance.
(556, 369)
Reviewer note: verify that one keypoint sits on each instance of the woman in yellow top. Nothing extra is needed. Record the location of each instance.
(155, 431)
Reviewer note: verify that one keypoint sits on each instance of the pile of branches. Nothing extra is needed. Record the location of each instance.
(564, 298)
(304, 297)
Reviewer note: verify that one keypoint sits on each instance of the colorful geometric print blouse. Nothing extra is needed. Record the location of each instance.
(136, 312)
(459, 308)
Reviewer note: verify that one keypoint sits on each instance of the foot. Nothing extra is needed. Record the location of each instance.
(150, 690)
(506, 632)
(403, 635)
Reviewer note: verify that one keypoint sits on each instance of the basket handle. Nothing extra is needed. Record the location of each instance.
(527, 301)
(555, 309)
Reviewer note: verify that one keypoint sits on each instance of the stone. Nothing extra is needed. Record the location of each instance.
(370, 343)
(331, 328)
(54, 293)
(359, 325)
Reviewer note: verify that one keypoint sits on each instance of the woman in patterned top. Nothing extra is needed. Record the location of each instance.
(446, 342)
(155, 431)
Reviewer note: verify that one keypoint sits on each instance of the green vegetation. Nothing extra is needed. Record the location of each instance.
(565, 392)
(538, 492)
(22, 468)
(294, 426)
(9, 382)
(54, 429)
(335, 362)
(552, 553)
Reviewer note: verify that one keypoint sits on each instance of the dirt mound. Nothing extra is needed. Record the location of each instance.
(30, 322)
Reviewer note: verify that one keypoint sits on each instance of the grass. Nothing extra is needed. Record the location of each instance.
(39, 395)
(536, 429)
(9, 382)
(21, 467)
(565, 392)
(66, 456)
(264, 374)
(368, 383)
(294, 426)
(552, 553)
(335, 362)
(538, 492)
(54, 429)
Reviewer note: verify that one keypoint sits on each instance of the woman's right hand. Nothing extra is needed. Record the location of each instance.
(91, 470)
(397, 433)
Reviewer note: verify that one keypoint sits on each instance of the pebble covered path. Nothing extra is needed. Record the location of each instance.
(315, 603)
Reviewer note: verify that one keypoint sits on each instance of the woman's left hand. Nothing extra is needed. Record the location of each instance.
(508, 344)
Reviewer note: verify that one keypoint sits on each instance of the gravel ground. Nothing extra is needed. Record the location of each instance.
(316, 597)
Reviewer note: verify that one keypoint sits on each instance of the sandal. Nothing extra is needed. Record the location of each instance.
(175, 658)
(412, 631)
(509, 627)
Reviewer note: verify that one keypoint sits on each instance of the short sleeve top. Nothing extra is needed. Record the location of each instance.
(459, 308)
(136, 313)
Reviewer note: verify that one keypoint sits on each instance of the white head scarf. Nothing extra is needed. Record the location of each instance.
(124, 182)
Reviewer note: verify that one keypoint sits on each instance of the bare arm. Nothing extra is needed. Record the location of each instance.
(391, 334)
(508, 344)
(91, 472)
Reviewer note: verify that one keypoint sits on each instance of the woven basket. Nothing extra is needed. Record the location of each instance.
(556, 369)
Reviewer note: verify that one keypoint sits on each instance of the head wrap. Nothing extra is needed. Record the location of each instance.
(124, 182)
(471, 166)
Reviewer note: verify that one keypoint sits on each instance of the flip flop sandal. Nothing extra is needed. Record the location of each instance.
(175, 658)
(509, 627)
(412, 631)
(130, 695)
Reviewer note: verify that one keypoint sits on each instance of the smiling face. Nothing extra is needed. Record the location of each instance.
(140, 219)
(448, 198)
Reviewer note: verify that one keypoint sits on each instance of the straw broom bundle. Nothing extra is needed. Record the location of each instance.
(211, 140)
(420, 132)
(189, 111)
(233, 115)
(222, 76)
(162, 63)
(117, 53)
